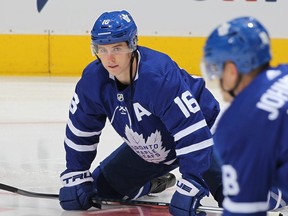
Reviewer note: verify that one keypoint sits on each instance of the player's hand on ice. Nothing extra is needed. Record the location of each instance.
(78, 190)
(186, 198)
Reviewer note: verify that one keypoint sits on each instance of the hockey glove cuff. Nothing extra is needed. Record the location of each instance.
(78, 190)
(186, 198)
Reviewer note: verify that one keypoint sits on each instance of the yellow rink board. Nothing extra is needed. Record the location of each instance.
(67, 55)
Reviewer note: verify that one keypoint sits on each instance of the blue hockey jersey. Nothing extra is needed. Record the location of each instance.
(158, 116)
(252, 140)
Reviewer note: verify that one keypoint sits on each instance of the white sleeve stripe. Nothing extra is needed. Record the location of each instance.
(80, 133)
(80, 148)
(194, 147)
(189, 130)
(169, 162)
(245, 207)
(139, 193)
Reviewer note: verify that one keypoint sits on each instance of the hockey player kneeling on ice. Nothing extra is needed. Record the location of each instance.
(163, 114)
(251, 137)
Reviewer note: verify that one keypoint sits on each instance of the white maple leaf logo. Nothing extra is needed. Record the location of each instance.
(152, 150)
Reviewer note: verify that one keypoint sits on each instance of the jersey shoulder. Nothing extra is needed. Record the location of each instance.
(269, 81)
(93, 75)
(93, 82)
(155, 62)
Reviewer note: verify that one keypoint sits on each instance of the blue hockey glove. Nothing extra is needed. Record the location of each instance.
(78, 190)
(186, 198)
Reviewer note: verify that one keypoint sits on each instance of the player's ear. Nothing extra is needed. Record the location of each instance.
(231, 69)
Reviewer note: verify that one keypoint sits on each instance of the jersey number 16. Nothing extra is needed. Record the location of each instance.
(187, 103)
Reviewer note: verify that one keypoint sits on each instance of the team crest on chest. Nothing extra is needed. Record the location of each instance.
(150, 149)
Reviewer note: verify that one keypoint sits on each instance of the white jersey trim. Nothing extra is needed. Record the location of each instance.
(195, 147)
(80, 133)
(170, 162)
(139, 193)
(189, 130)
(245, 207)
(80, 148)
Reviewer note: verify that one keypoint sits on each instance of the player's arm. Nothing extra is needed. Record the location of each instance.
(193, 150)
(182, 115)
(209, 105)
(82, 136)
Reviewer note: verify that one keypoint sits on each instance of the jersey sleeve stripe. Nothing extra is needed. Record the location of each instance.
(80, 133)
(245, 207)
(189, 130)
(80, 148)
(169, 162)
(195, 147)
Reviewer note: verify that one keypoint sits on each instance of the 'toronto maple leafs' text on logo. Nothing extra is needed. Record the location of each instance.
(151, 150)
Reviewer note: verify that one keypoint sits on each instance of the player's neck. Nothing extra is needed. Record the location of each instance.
(121, 86)
(125, 79)
(246, 80)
